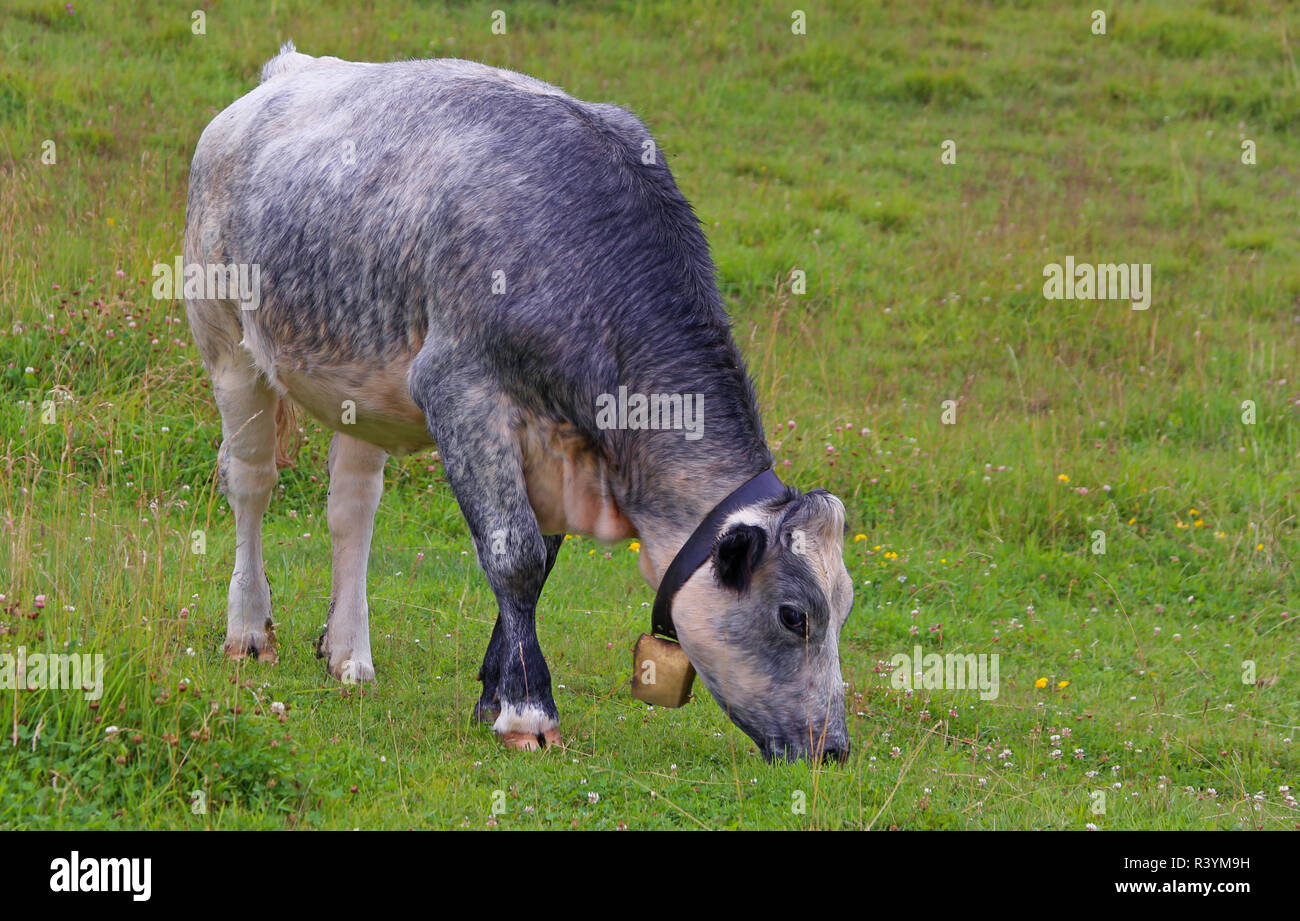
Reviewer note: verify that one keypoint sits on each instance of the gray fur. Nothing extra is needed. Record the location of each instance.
(380, 199)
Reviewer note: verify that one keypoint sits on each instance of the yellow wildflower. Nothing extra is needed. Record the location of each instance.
(1040, 683)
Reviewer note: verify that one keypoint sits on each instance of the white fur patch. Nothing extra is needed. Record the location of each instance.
(526, 719)
(750, 514)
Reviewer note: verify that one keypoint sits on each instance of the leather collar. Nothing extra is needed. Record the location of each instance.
(699, 546)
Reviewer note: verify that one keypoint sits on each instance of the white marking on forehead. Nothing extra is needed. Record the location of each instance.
(750, 515)
(804, 542)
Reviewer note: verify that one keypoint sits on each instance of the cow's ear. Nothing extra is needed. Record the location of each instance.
(736, 554)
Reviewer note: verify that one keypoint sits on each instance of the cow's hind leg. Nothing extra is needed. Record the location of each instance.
(356, 483)
(488, 707)
(246, 469)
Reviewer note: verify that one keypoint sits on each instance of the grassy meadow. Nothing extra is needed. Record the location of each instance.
(1155, 685)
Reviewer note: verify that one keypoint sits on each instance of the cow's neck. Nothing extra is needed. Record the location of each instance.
(690, 500)
(668, 482)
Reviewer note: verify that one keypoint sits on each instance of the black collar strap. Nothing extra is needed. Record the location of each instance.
(699, 546)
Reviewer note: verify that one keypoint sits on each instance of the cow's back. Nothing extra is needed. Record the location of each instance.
(388, 203)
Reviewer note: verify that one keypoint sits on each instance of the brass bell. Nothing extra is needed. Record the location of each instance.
(661, 673)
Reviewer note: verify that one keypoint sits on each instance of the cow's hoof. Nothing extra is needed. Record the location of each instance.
(527, 728)
(252, 645)
(346, 668)
(353, 671)
(527, 742)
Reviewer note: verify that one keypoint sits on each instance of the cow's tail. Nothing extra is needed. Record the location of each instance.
(288, 436)
(286, 62)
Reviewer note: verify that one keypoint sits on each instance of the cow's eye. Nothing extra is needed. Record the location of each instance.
(792, 618)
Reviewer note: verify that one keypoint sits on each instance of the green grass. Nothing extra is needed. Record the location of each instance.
(819, 153)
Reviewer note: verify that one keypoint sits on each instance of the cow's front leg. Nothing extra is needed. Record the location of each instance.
(475, 429)
(356, 483)
(488, 708)
(512, 553)
(528, 718)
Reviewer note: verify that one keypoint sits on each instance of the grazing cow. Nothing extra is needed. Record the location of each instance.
(457, 255)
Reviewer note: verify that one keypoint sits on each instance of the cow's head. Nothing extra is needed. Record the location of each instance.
(761, 622)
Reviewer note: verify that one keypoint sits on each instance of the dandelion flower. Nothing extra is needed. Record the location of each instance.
(1040, 683)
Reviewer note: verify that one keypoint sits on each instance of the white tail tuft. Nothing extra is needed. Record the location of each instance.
(286, 62)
